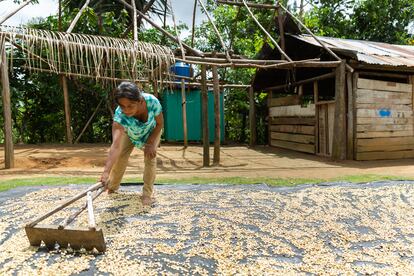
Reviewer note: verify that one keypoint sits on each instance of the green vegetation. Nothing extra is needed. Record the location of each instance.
(55, 181)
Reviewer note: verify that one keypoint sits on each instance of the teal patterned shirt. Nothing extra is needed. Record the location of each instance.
(136, 130)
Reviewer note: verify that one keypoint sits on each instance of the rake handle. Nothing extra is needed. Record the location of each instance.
(91, 217)
(65, 204)
(65, 223)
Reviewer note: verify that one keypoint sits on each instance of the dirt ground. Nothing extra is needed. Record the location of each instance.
(176, 163)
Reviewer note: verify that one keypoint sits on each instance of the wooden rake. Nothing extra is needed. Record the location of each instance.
(64, 235)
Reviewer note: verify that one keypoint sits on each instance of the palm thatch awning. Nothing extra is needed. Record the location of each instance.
(103, 58)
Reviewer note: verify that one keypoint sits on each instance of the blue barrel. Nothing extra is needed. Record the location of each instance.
(181, 69)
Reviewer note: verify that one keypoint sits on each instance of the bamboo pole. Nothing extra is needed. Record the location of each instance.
(193, 24)
(198, 84)
(339, 132)
(204, 116)
(78, 15)
(167, 34)
(250, 4)
(8, 127)
(134, 18)
(215, 30)
(266, 32)
(258, 63)
(21, 6)
(349, 68)
(89, 121)
(184, 112)
(176, 31)
(144, 11)
(217, 115)
(252, 117)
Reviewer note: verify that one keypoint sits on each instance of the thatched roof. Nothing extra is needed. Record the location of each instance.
(104, 58)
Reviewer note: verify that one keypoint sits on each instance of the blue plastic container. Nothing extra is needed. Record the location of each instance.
(181, 69)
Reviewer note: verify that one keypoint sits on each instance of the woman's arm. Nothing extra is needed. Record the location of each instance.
(114, 151)
(150, 149)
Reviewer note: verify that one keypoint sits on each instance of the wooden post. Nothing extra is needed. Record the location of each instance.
(184, 110)
(155, 88)
(204, 116)
(315, 101)
(339, 131)
(8, 136)
(216, 87)
(350, 118)
(355, 77)
(411, 81)
(69, 137)
(269, 118)
(281, 30)
(252, 117)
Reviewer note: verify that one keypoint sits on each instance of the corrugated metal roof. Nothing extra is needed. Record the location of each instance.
(367, 51)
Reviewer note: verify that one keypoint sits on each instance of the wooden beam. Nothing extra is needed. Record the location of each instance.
(217, 132)
(252, 117)
(8, 133)
(69, 137)
(339, 131)
(184, 112)
(283, 101)
(204, 116)
(299, 83)
(385, 75)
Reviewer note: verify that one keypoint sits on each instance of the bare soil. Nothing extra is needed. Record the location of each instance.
(178, 163)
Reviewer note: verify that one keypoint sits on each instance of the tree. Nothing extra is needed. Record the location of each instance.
(376, 20)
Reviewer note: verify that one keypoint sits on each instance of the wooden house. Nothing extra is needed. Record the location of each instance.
(362, 110)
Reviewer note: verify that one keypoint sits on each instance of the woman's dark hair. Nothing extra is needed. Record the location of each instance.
(128, 90)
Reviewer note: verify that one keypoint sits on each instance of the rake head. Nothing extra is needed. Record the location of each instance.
(75, 238)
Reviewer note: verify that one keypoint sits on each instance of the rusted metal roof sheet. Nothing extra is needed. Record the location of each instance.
(367, 51)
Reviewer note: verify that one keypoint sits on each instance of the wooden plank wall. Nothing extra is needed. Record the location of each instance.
(384, 120)
(293, 127)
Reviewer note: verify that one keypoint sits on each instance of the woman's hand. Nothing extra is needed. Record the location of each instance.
(104, 179)
(150, 151)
